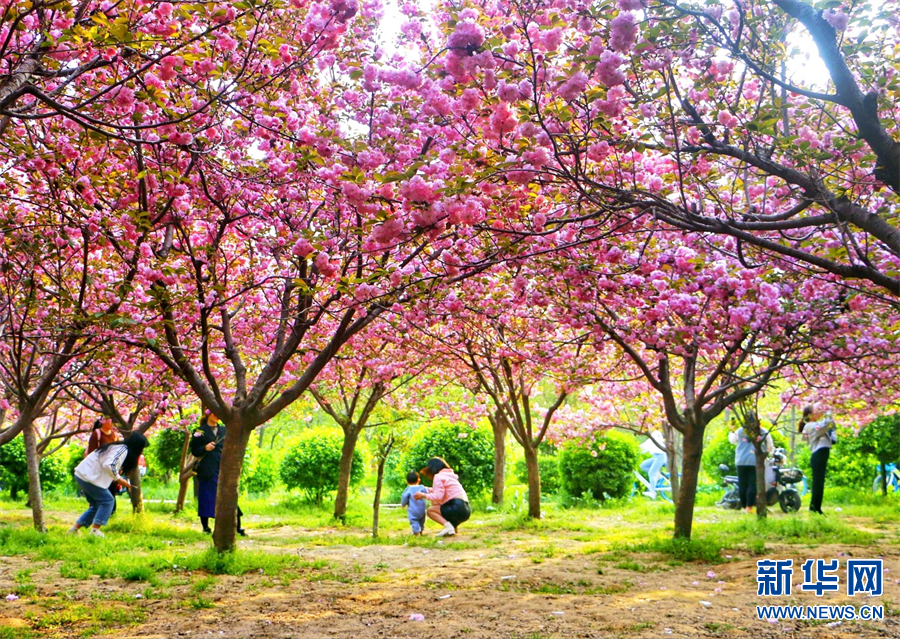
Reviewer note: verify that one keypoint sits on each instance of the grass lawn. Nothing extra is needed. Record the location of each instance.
(583, 570)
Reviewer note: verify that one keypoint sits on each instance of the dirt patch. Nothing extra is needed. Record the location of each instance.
(523, 588)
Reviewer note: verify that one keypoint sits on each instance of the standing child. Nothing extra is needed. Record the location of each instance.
(416, 507)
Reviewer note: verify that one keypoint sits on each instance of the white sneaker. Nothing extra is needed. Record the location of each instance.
(447, 531)
(96, 532)
(73, 530)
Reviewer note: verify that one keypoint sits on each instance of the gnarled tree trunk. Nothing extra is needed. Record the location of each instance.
(236, 438)
(351, 435)
(135, 493)
(761, 486)
(379, 481)
(183, 481)
(534, 481)
(499, 428)
(33, 461)
(690, 470)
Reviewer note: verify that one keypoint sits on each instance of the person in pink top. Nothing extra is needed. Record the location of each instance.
(449, 501)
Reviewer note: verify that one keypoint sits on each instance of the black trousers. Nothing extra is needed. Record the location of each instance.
(456, 511)
(819, 464)
(747, 485)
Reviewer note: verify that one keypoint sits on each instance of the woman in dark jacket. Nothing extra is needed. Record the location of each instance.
(206, 444)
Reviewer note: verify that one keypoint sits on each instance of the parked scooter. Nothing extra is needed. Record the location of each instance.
(731, 500)
(782, 485)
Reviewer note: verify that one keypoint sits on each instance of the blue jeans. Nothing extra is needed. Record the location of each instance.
(417, 524)
(101, 504)
(652, 466)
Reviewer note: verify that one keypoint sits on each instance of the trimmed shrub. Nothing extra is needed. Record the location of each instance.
(313, 461)
(602, 468)
(469, 451)
(165, 453)
(262, 476)
(14, 468)
(549, 469)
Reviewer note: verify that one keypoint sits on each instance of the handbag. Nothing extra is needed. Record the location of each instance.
(190, 467)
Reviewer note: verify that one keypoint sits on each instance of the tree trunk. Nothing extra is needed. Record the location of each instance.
(33, 461)
(672, 460)
(376, 503)
(499, 428)
(883, 479)
(237, 437)
(182, 495)
(135, 493)
(262, 432)
(534, 482)
(761, 486)
(351, 435)
(690, 469)
(183, 484)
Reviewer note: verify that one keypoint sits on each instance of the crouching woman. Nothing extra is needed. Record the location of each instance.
(97, 471)
(449, 501)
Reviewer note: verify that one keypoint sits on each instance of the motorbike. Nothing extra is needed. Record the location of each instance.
(780, 480)
(730, 500)
(782, 484)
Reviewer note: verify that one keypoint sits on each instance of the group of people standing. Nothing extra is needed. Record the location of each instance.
(110, 457)
(817, 427)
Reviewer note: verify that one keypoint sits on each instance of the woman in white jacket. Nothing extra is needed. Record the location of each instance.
(97, 471)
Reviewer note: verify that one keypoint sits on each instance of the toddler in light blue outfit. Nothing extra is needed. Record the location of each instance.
(416, 507)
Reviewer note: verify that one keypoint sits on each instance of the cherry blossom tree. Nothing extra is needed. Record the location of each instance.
(496, 336)
(374, 367)
(314, 212)
(134, 390)
(702, 118)
(704, 331)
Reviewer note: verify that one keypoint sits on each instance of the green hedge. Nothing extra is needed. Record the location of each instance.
(313, 461)
(549, 469)
(14, 468)
(601, 468)
(469, 451)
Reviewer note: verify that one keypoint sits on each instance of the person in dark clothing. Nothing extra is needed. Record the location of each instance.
(206, 445)
(819, 430)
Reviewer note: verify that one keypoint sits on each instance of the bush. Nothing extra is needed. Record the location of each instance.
(848, 464)
(313, 462)
(549, 469)
(881, 439)
(165, 452)
(14, 468)
(470, 453)
(262, 476)
(602, 468)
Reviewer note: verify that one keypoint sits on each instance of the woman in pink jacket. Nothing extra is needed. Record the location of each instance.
(449, 501)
